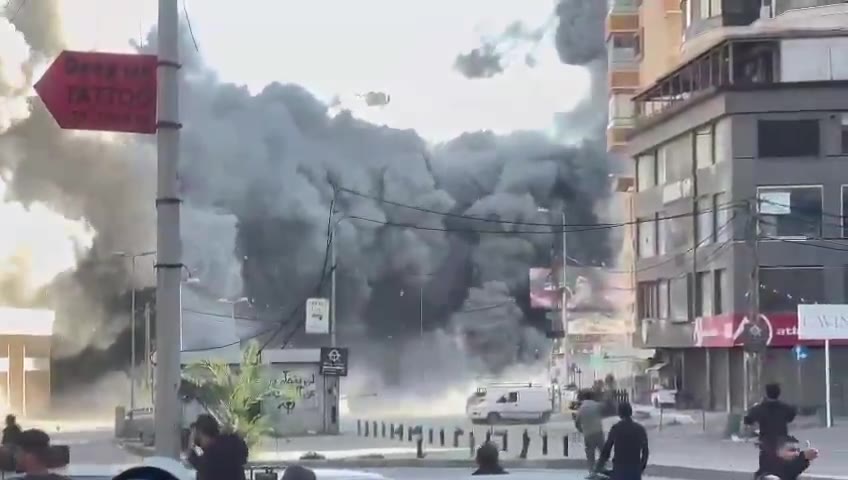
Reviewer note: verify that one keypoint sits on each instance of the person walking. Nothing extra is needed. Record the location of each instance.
(589, 422)
(11, 432)
(628, 443)
(224, 454)
(488, 461)
(773, 417)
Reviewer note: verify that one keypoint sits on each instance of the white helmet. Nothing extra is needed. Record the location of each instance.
(157, 468)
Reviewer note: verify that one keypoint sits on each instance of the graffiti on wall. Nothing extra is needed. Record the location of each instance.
(296, 389)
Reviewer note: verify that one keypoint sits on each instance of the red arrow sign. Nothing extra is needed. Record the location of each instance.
(101, 91)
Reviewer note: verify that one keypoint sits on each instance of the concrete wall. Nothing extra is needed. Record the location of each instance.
(305, 412)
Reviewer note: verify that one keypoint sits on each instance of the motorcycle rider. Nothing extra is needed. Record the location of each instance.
(787, 461)
(773, 417)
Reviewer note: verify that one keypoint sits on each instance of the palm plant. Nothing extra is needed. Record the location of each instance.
(233, 393)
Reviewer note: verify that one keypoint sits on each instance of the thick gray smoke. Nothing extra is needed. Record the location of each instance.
(498, 52)
(258, 169)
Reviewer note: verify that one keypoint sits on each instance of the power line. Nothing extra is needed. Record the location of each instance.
(589, 226)
(188, 24)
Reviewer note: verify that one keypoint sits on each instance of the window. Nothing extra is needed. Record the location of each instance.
(790, 211)
(646, 171)
(662, 247)
(784, 288)
(661, 168)
(511, 397)
(845, 211)
(647, 238)
(720, 292)
(706, 220)
(705, 146)
(844, 133)
(662, 302)
(721, 213)
(647, 300)
(709, 9)
(676, 233)
(677, 157)
(704, 295)
(678, 299)
(788, 138)
(721, 139)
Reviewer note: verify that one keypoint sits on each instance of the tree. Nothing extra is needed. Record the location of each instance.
(233, 393)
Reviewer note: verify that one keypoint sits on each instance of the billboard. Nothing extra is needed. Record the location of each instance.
(318, 316)
(597, 300)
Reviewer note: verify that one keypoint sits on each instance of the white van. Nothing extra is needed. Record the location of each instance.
(498, 402)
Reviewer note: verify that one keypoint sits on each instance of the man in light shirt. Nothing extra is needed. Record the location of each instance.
(589, 422)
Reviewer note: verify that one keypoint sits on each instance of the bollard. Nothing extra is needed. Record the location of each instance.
(544, 443)
(383, 429)
(525, 445)
(392, 431)
(359, 428)
(441, 437)
(504, 439)
(565, 445)
(430, 436)
(471, 443)
(400, 432)
(366, 428)
(409, 433)
(419, 446)
(376, 433)
(458, 432)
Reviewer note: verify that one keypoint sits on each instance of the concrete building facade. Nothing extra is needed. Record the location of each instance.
(743, 135)
(25, 341)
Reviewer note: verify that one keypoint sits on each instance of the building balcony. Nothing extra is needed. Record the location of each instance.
(748, 60)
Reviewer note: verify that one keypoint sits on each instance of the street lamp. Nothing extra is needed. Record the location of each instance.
(234, 303)
(132, 257)
(421, 277)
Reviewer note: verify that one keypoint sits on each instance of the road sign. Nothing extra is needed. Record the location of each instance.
(101, 91)
(801, 352)
(333, 362)
(754, 337)
(318, 316)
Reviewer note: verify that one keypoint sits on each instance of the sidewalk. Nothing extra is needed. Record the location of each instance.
(682, 451)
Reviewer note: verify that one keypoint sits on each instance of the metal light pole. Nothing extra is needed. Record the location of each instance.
(564, 344)
(167, 417)
(233, 303)
(133, 375)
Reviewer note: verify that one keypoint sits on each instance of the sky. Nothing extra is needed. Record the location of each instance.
(344, 48)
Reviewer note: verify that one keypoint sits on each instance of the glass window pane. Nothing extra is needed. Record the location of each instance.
(647, 237)
(646, 171)
(722, 213)
(705, 220)
(790, 211)
(704, 155)
(663, 299)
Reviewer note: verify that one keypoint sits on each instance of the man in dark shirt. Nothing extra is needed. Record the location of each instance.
(488, 461)
(224, 455)
(630, 442)
(788, 461)
(773, 418)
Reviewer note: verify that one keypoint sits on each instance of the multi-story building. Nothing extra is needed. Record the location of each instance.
(739, 134)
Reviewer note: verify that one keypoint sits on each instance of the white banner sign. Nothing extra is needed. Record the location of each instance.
(822, 322)
(318, 316)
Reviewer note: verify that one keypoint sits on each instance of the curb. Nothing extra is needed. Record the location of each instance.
(664, 471)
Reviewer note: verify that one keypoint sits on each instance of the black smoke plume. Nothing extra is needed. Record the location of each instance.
(255, 172)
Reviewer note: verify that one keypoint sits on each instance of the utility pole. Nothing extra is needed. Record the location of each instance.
(333, 273)
(564, 344)
(421, 309)
(756, 338)
(148, 352)
(167, 415)
(133, 375)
